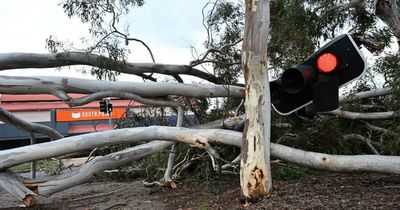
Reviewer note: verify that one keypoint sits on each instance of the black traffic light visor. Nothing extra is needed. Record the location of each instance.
(289, 93)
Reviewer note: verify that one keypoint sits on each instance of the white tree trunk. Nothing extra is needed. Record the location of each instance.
(255, 173)
(389, 12)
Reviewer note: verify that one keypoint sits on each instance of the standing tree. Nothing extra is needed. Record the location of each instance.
(255, 173)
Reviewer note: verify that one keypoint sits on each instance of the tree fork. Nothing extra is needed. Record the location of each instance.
(255, 174)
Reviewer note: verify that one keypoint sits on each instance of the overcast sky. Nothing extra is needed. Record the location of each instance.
(169, 27)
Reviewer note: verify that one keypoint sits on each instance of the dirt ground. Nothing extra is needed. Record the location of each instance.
(324, 190)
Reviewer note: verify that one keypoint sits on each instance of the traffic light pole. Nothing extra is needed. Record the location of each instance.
(109, 120)
(109, 115)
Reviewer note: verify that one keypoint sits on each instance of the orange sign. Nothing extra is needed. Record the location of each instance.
(69, 115)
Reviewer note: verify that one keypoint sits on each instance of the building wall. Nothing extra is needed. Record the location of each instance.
(36, 116)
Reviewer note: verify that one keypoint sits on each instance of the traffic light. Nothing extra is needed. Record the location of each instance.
(109, 108)
(316, 81)
(105, 106)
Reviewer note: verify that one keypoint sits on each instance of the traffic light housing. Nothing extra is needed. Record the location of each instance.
(105, 106)
(316, 81)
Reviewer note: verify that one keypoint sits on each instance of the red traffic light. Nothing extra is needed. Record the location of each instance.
(327, 63)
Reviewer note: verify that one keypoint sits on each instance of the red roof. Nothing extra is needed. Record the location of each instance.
(31, 97)
(42, 102)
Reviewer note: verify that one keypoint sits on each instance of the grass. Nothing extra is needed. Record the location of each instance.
(21, 168)
(51, 167)
(204, 206)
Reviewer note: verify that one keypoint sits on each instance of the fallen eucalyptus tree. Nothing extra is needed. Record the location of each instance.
(195, 137)
(60, 86)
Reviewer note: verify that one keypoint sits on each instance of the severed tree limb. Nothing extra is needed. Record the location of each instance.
(89, 141)
(29, 127)
(10, 183)
(43, 85)
(361, 163)
(173, 151)
(50, 60)
(374, 163)
(366, 94)
(364, 116)
(98, 165)
(123, 95)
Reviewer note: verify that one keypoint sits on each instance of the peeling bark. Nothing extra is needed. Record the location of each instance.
(255, 173)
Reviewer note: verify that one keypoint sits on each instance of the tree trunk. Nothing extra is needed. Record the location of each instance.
(389, 12)
(255, 174)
